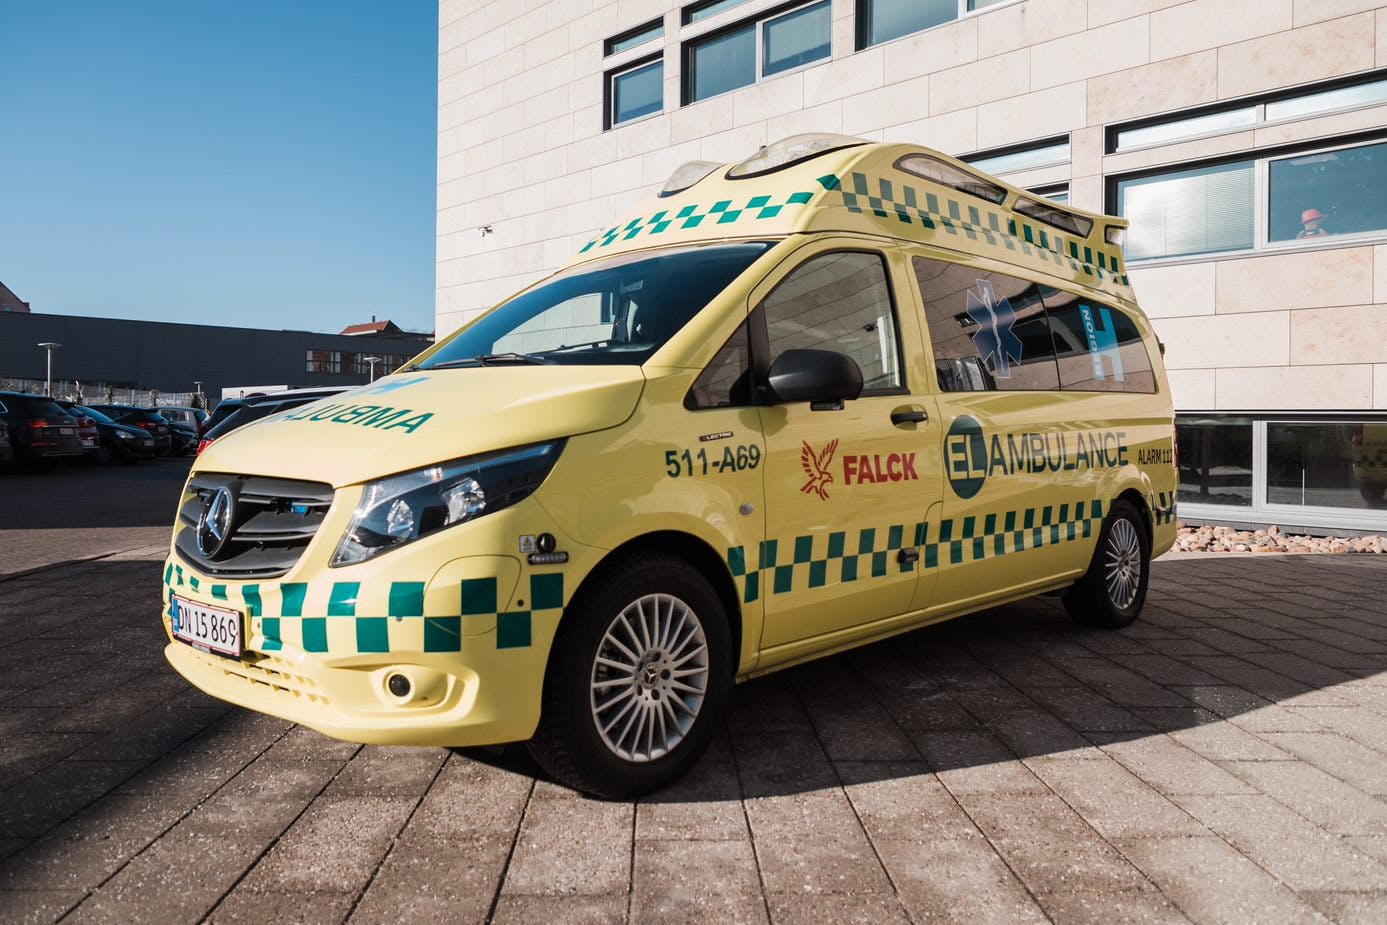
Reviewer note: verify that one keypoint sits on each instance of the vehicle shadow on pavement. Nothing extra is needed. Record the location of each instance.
(1024, 681)
(112, 768)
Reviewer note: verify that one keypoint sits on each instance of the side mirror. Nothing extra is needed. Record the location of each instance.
(817, 376)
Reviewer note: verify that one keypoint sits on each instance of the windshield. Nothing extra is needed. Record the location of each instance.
(619, 311)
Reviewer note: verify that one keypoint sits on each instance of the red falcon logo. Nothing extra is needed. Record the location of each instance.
(816, 467)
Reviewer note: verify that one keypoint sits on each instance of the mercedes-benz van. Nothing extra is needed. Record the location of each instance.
(829, 394)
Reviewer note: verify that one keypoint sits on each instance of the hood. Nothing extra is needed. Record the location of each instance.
(415, 418)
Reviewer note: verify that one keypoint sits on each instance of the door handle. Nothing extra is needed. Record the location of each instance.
(909, 417)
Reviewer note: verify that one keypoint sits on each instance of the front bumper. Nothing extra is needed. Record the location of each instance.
(471, 633)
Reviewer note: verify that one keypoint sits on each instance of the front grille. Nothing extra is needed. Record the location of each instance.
(277, 675)
(271, 521)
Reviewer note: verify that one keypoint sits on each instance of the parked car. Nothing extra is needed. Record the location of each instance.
(196, 418)
(246, 410)
(147, 419)
(185, 438)
(40, 431)
(86, 431)
(120, 441)
(6, 448)
(225, 408)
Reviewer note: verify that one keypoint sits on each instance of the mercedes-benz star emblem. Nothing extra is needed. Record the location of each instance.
(214, 524)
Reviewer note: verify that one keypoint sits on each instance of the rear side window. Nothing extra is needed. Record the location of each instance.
(840, 302)
(1098, 347)
(989, 330)
(40, 407)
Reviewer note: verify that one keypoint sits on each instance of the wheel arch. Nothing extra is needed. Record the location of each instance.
(693, 550)
(1138, 501)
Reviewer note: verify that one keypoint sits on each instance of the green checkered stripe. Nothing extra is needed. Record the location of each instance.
(1165, 507)
(910, 206)
(1376, 460)
(404, 627)
(691, 216)
(818, 560)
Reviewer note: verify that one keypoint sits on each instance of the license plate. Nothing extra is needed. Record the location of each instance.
(210, 629)
(66, 430)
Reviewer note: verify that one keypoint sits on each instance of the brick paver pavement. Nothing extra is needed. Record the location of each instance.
(1225, 759)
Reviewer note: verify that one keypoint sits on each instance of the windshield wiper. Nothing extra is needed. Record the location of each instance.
(494, 359)
(591, 343)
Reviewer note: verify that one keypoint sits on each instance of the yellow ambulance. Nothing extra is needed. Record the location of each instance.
(828, 394)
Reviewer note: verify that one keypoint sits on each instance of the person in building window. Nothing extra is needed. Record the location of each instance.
(1312, 224)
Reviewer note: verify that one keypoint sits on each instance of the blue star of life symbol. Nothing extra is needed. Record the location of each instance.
(994, 339)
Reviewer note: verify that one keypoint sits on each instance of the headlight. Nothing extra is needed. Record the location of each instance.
(123, 435)
(402, 508)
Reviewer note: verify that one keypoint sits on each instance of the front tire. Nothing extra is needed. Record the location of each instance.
(638, 679)
(1113, 590)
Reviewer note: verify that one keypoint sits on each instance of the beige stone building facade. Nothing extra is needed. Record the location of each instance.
(1245, 139)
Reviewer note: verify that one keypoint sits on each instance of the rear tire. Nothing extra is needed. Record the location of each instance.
(1113, 590)
(637, 680)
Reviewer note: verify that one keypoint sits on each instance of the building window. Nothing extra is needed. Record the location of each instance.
(1059, 192)
(883, 20)
(798, 38)
(633, 38)
(636, 91)
(1215, 460)
(1327, 465)
(324, 361)
(1285, 468)
(1313, 196)
(1046, 153)
(1267, 108)
(697, 12)
(1185, 212)
(749, 51)
(1306, 197)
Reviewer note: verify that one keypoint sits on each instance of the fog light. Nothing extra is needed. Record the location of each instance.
(398, 685)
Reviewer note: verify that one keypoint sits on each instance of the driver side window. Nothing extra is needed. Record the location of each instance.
(840, 302)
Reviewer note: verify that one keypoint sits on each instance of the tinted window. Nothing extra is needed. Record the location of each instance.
(723, 63)
(636, 37)
(1197, 211)
(36, 406)
(726, 381)
(618, 311)
(1314, 196)
(796, 38)
(638, 92)
(989, 331)
(838, 302)
(888, 19)
(1215, 460)
(1097, 346)
(93, 414)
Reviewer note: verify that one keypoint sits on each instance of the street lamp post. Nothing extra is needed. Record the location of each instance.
(50, 346)
(373, 361)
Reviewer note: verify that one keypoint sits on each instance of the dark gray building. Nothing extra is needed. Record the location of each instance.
(172, 357)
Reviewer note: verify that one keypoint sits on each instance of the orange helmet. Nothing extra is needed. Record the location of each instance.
(1311, 215)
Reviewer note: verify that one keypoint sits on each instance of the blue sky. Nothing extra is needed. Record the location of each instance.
(269, 164)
